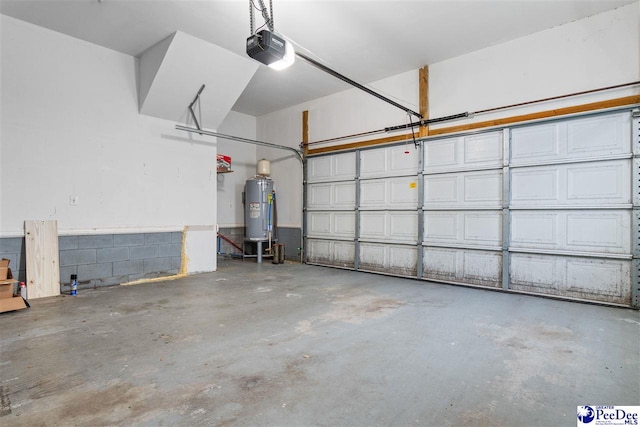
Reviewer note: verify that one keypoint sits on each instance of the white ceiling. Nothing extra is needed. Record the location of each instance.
(365, 40)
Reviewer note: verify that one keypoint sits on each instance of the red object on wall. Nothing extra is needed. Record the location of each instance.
(224, 163)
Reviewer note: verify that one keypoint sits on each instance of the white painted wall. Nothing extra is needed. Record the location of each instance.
(70, 127)
(285, 128)
(243, 164)
(598, 51)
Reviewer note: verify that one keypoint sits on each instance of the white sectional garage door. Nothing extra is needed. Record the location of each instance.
(546, 208)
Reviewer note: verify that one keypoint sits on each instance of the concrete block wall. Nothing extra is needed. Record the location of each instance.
(105, 259)
(13, 249)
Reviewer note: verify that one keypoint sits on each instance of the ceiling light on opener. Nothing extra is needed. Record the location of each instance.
(271, 49)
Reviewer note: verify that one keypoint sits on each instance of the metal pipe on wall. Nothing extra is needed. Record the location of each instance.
(240, 139)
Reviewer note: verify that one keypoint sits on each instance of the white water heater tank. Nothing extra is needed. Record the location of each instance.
(264, 167)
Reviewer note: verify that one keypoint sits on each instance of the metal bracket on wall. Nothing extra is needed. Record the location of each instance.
(193, 114)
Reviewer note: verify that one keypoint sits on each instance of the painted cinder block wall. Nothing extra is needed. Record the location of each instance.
(105, 259)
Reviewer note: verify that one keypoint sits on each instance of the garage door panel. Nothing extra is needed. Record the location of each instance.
(332, 195)
(319, 251)
(403, 226)
(394, 259)
(394, 226)
(374, 225)
(441, 154)
(485, 188)
(604, 280)
(344, 224)
(598, 135)
(403, 160)
(403, 259)
(591, 137)
(534, 229)
(475, 267)
(588, 277)
(344, 195)
(579, 231)
(441, 263)
(319, 168)
(389, 193)
(535, 271)
(532, 185)
(337, 167)
(390, 161)
(599, 230)
(442, 190)
(403, 192)
(319, 196)
(463, 228)
(567, 218)
(373, 193)
(608, 182)
(483, 149)
(344, 253)
(328, 252)
(331, 224)
(463, 153)
(484, 268)
(483, 228)
(344, 166)
(535, 143)
(581, 184)
(441, 227)
(461, 190)
(320, 223)
(373, 256)
(373, 163)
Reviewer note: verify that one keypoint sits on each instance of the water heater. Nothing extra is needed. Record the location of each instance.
(258, 208)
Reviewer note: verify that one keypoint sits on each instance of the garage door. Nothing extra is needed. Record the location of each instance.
(546, 208)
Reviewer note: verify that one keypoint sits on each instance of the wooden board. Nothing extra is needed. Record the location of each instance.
(423, 85)
(43, 265)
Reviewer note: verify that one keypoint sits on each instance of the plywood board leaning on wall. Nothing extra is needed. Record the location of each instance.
(43, 264)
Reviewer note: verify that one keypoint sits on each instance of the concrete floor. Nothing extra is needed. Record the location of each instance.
(294, 345)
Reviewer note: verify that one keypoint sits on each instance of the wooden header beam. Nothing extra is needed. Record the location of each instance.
(423, 87)
(593, 106)
(305, 132)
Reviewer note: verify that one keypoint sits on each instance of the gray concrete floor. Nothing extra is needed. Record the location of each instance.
(295, 345)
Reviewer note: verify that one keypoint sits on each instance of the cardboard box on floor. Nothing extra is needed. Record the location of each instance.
(4, 269)
(7, 301)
